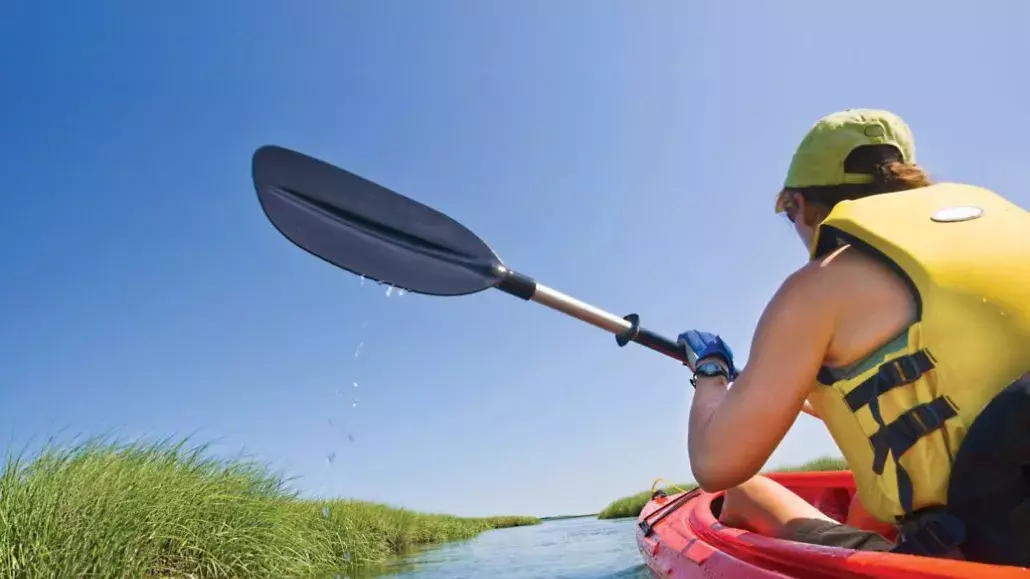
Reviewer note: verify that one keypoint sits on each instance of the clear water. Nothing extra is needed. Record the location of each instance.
(584, 548)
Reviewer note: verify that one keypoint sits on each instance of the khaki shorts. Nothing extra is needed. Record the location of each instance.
(826, 533)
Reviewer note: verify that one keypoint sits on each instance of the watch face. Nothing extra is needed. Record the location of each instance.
(710, 369)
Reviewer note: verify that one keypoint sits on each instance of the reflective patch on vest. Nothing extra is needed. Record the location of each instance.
(956, 214)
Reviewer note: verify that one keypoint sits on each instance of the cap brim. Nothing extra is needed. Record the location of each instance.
(781, 201)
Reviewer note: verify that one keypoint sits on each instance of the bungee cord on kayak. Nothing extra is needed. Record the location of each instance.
(669, 484)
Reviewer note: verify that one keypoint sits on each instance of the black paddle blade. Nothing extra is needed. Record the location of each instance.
(369, 230)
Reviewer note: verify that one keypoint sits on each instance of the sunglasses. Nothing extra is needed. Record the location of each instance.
(790, 208)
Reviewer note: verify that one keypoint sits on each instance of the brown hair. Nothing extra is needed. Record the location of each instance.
(883, 162)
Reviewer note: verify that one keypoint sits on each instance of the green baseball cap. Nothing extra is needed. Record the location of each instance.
(819, 159)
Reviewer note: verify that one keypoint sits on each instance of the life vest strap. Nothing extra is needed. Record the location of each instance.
(899, 436)
(896, 438)
(890, 375)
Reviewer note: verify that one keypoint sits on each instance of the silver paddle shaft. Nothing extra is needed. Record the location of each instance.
(567, 304)
(626, 329)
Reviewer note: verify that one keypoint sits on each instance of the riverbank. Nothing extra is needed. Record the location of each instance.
(110, 510)
(632, 505)
(564, 517)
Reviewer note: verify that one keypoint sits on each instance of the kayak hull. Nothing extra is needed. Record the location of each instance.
(679, 538)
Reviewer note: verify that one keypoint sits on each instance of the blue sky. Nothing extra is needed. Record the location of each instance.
(606, 148)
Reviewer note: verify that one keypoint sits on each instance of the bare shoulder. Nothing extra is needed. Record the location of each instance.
(851, 284)
(827, 288)
(817, 281)
(852, 271)
(839, 275)
(802, 306)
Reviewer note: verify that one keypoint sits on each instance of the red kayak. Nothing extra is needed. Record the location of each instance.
(680, 538)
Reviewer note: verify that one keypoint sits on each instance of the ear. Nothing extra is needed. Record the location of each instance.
(812, 213)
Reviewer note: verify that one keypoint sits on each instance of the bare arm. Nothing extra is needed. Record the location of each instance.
(733, 432)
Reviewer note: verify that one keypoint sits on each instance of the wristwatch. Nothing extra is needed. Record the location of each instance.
(708, 369)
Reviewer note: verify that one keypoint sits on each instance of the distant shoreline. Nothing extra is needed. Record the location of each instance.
(563, 517)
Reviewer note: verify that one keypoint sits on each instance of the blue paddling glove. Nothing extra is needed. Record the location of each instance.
(708, 345)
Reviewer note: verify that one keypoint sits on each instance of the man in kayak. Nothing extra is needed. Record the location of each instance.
(911, 317)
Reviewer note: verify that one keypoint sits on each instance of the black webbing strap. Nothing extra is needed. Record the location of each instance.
(898, 437)
(890, 375)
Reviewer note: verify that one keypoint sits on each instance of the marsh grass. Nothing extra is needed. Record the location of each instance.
(632, 505)
(101, 509)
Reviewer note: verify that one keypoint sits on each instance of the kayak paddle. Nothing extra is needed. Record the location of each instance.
(369, 230)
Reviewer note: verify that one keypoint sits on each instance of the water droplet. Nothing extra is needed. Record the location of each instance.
(1003, 313)
(325, 512)
(984, 300)
(362, 281)
(354, 404)
(346, 556)
(389, 291)
(350, 437)
(401, 292)
(357, 352)
(331, 458)
(330, 422)
(355, 384)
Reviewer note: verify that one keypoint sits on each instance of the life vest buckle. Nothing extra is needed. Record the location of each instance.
(931, 532)
(900, 371)
(889, 375)
(899, 436)
(909, 427)
(924, 419)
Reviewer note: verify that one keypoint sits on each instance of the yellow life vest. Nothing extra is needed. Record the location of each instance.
(900, 414)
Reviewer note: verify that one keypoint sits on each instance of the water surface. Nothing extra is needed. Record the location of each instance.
(583, 548)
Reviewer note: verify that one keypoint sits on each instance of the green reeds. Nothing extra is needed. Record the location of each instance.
(101, 509)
